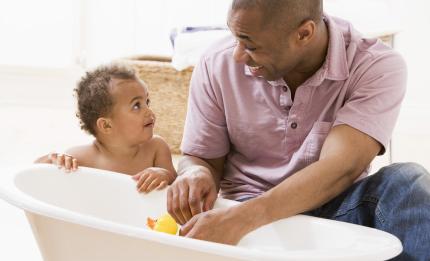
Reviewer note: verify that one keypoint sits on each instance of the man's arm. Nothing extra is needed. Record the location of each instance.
(196, 188)
(214, 166)
(345, 155)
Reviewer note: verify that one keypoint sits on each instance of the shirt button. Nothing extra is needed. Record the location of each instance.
(285, 88)
(293, 125)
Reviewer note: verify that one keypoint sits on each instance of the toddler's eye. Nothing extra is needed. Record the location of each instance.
(148, 101)
(136, 106)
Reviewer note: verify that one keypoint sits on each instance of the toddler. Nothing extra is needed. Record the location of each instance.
(113, 106)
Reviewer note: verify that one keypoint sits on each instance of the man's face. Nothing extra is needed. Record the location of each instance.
(269, 51)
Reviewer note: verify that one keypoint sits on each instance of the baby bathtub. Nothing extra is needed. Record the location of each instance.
(96, 215)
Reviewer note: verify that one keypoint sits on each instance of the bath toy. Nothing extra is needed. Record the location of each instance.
(165, 224)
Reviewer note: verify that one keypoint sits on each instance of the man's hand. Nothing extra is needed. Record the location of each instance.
(192, 193)
(221, 225)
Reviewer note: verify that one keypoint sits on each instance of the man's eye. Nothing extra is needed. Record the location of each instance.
(244, 46)
(136, 106)
(148, 101)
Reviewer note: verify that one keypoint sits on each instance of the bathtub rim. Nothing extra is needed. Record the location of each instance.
(13, 195)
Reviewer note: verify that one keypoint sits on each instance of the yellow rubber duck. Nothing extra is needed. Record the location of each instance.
(165, 224)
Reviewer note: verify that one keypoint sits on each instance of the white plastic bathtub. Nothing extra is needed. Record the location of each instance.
(96, 215)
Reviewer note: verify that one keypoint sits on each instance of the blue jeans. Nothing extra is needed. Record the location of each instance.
(396, 199)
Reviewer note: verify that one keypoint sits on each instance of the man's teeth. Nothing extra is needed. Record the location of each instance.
(255, 67)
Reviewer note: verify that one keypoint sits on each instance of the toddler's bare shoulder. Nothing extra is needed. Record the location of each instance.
(155, 144)
(85, 154)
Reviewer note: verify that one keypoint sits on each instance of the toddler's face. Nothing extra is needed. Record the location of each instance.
(132, 119)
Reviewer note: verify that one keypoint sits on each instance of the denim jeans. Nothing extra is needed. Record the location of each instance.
(396, 199)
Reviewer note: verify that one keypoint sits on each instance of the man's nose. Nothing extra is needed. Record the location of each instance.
(239, 53)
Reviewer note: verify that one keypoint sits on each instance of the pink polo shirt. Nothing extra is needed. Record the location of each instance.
(264, 134)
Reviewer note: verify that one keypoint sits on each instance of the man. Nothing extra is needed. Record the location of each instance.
(286, 115)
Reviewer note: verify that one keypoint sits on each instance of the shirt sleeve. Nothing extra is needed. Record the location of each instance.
(374, 104)
(205, 132)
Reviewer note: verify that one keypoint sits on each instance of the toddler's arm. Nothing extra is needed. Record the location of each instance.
(68, 162)
(80, 155)
(162, 174)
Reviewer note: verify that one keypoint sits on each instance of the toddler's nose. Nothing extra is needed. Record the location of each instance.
(149, 113)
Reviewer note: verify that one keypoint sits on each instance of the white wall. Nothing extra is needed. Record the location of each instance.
(411, 137)
(413, 42)
(411, 140)
(41, 33)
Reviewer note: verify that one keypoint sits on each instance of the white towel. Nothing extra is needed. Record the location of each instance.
(190, 44)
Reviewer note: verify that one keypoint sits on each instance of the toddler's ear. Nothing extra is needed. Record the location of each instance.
(104, 125)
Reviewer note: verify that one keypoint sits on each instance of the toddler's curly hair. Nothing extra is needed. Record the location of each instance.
(93, 93)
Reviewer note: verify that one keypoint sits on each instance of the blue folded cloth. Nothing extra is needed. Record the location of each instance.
(192, 29)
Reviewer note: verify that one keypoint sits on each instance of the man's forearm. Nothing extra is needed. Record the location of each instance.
(305, 190)
(310, 188)
(214, 167)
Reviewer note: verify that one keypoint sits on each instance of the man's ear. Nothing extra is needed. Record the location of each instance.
(306, 31)
(104, 125)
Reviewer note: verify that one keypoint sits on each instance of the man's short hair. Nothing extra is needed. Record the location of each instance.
(291, 13)
(93, 93)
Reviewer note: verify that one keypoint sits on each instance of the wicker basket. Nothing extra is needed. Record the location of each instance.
(168, 91)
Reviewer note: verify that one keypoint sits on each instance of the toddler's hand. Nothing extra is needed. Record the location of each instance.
(152, 178)
(64, 161)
